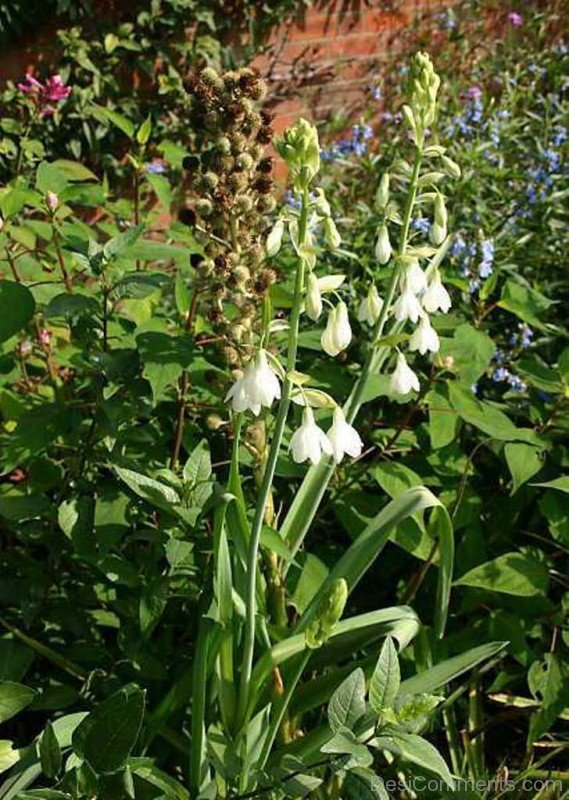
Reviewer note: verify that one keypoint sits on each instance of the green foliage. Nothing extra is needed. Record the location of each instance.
(174, 624)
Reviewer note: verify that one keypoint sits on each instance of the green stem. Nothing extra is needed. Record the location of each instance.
(266, 485)
(283, 706)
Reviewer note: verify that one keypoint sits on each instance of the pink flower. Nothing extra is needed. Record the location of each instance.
(55, 90)
(515, 18)
(30, 85)
(474, 92)
(52, 91)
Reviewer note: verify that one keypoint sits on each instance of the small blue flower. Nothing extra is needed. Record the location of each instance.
(421, 224)
(155, 168)
(500, 374)
(485, 269)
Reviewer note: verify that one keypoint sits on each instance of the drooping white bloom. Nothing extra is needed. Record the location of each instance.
(370, 307)
(403, 378)
(313, 300)
(258, 386)
(337, 334)
(436, 297)
(424, 337)
(309, 442)
(343, 437)
(415, 279)
(383, 245)
(407, 306)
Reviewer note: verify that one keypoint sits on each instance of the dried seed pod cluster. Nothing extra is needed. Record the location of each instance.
(231, 177)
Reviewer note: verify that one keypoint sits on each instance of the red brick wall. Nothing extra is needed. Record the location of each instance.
(321, 63)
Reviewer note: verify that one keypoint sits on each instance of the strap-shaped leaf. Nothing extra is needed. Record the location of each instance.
(363, 552)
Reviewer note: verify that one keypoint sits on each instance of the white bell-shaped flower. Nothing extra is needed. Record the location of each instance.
(436, 297)
(370, 307)
(403, 378)
(337, 334)
(415, 279)
(407, 306)
(257, 387)
(309, 442)
(313, 299)
(345, 439)
(424, 338)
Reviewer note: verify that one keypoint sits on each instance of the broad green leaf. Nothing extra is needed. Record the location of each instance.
(555, 508)
(525, 302)
(146, 769)
(344, 742)
(121, 122)
(413, 711)
(50, 752)
(487, 418)
(14, 697)
(415, 750)
(555, 697)
(148, 488)
(386, 678)
(17, 306)
(106, 737)
(442, 417)
(143, 133)
(471, 351)
(197, 468)
(15, 660)
(181, 294)
(347, 704)
(523, 462)
(561, 484)
(119, 244)
(74, 170)
(138, 285)
(363, 784)
(8, 755)
(511, 573)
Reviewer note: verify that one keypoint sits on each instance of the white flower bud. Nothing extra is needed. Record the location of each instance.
(383, 245)
(275, 238)
(437, 234)
(331, 233)
(338, 334)
(382, 194)
(52, 201)
(370, 307)
(441, 216)
(313, 299)
(451, 167)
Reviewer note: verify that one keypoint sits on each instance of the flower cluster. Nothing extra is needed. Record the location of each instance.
(354, 144)
(475, 261)
(231, 174)
(45, 94)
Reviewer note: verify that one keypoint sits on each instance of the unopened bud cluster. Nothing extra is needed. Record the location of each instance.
(231, 177)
